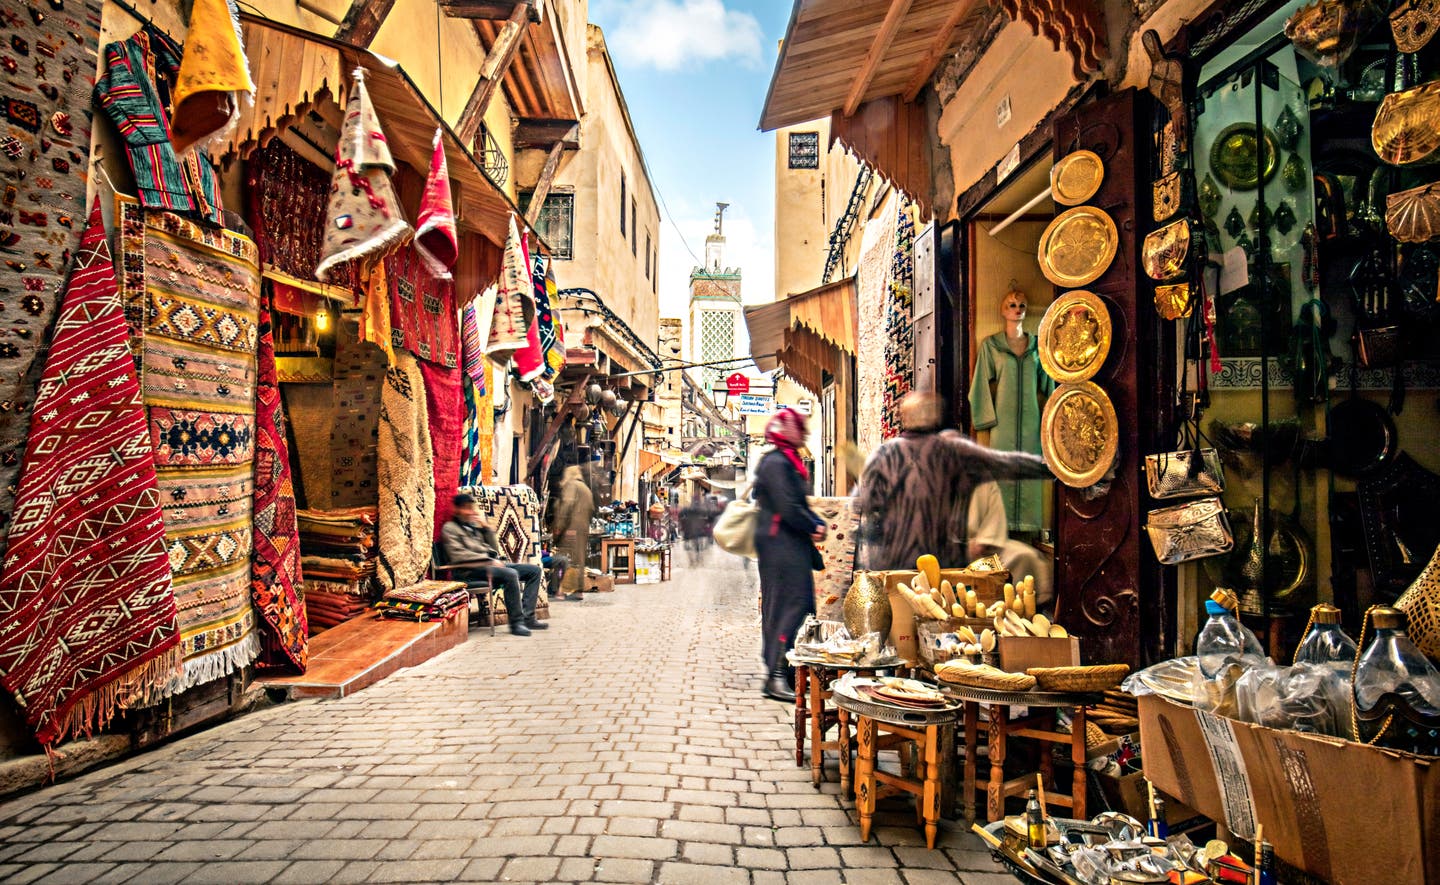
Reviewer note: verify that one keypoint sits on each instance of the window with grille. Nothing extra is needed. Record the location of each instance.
(556, 222)
(717, 342)
(804, 150)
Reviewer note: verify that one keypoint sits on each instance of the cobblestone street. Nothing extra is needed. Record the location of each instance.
(629, 743)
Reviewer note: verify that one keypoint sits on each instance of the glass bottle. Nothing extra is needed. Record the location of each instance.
(1034, 821)
(1397, 689)
(1265, 863)
(1224, 639)
(1157, 826)
(1326, 642)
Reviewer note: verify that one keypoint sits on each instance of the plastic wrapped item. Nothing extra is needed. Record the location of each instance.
(1224, 640)
(839, 647)
(1173, 679)
(1326, 641)
(1312, 698)
(1396, 689)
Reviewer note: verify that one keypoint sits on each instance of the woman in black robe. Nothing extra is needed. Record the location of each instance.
(785, 537)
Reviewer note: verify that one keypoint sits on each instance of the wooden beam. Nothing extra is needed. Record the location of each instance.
(547, 178)
(943, 38)
(492, 71)
(871, 64)
(561, 414)
(363, 22)
(539, 133)
(494, 10)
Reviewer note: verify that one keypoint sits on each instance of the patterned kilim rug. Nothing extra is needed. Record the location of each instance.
(899, 336)
(423, 316)
(514, 513)
(201, 291)
(407, 476)
(445, 408)
(49, 69)
(275, 569)
(872, 275)
(87, 616)
(356, 391)
(842, 524)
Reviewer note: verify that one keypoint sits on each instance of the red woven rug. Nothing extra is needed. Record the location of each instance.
(87, 613)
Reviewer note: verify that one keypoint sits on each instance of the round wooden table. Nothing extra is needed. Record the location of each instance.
(812, 719)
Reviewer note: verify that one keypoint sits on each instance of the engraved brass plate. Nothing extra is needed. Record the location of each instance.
(1407, 126)
(1235, 156)
(1079, 434)
(1076, 178)
(1078, 246)
(1173, 302)
(1074, 336)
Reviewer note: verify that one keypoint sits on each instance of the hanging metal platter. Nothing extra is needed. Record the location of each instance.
(1235, 156)
(1078, 246)
(1074, 336)
(1076, 178)
(1079, 434)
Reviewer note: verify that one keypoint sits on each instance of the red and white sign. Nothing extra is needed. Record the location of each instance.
(737, 384)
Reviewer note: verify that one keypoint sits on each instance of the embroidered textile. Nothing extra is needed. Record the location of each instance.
(435, 237)
(275, 569)
(44, 147)
(407, 476)
(355, 415)
(214, 76)
(203, 433)
(86, 607)
(134, 93)
(423, 317)
(425, 592)
(514, 513)
(842, 524)
(286, 193)
(899, 335)
(514, 313)
(363, 216)
(375, 312)
(872, 274)
(445, 408)
(479, 432)
(547, 317)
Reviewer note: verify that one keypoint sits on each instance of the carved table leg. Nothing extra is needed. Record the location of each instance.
(930, 800)
(817, 725)
(865, 774)
(972, 740)
(1047, 759)
(1077, 756)
(843, 737)
(995, 803)
(802, 677)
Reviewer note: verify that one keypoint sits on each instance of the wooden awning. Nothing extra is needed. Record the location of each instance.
(294, 70)
(539, 83)
(839, 54)
(807, 334)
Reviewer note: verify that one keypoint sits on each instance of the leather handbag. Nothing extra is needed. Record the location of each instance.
(1184, 474)
(1421, 605)
(735, 527)
(1192, 530)
(1171, 193)
(1166, 250)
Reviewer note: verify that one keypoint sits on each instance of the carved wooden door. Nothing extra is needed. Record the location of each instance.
(1108, 584)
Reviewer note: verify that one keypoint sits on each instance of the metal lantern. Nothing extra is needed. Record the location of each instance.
(607, 399)
(593, 394)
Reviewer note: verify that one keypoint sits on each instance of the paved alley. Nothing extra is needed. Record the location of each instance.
(629, 743)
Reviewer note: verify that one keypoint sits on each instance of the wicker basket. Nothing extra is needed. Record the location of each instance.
(1093, 678)
(991, 678)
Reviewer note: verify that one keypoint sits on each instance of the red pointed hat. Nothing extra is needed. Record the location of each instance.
(435, 238)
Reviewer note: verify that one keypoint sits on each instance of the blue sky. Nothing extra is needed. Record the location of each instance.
(694, 74)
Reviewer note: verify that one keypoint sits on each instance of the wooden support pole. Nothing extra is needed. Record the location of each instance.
(492, 71)
(363, 22)
(871, 63)
(547, 177)
(943, 37)
(576, 395)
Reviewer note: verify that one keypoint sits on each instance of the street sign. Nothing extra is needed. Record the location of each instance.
(737, 384)
(750, 404)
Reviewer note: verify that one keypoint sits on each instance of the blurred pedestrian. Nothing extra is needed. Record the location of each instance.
(574, 506)
(785, 537)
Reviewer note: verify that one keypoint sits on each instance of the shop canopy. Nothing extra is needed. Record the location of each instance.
(808, 334)
(295, 70)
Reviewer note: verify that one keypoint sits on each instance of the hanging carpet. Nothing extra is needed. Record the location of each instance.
(275, 567)
(899, 335)
(445, 408)
(407, 476)
(44, 148)
(842, 523)
(355, 416)
(514, 513)
(514, 312)
(547, 317)
(200, 291)
(87, 615)
(423, 316)
(872, 276)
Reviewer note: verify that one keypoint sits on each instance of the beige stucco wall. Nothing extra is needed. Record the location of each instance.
(967, 123)
(807, 204)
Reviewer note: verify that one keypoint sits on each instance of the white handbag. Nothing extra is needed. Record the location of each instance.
(735, 528)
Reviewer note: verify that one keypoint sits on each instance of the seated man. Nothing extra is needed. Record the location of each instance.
(470, 545)
(988, 534)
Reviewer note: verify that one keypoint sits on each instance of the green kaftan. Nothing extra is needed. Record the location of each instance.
(1004, 399)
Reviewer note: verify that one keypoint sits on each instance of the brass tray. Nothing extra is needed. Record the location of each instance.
(1234, 157)
(1413, 23)
(1079, 434)
(1074, 336)
(1076, 178)
(1078, 246)
(1407, 126)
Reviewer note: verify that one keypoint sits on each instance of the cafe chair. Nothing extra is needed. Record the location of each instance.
(480, 587)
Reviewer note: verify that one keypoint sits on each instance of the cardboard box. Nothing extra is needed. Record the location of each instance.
(1020, 653)
(1128, 793)
(903, 633)
(1343, 811)
(599, 584)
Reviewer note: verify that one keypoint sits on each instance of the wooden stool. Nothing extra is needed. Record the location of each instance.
(814, 719)
(878, 729)
(1040, 726)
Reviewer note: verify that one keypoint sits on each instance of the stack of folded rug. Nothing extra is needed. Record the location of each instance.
(425, 601)
(337, 557)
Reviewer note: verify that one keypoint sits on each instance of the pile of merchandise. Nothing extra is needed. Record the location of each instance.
(337, 558)
(425, 601)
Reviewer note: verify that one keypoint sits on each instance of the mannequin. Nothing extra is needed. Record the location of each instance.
(1005, 399)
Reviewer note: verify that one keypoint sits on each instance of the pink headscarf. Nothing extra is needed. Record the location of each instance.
(786, 432)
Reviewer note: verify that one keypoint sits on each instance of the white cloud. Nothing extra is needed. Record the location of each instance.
(673, 34)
